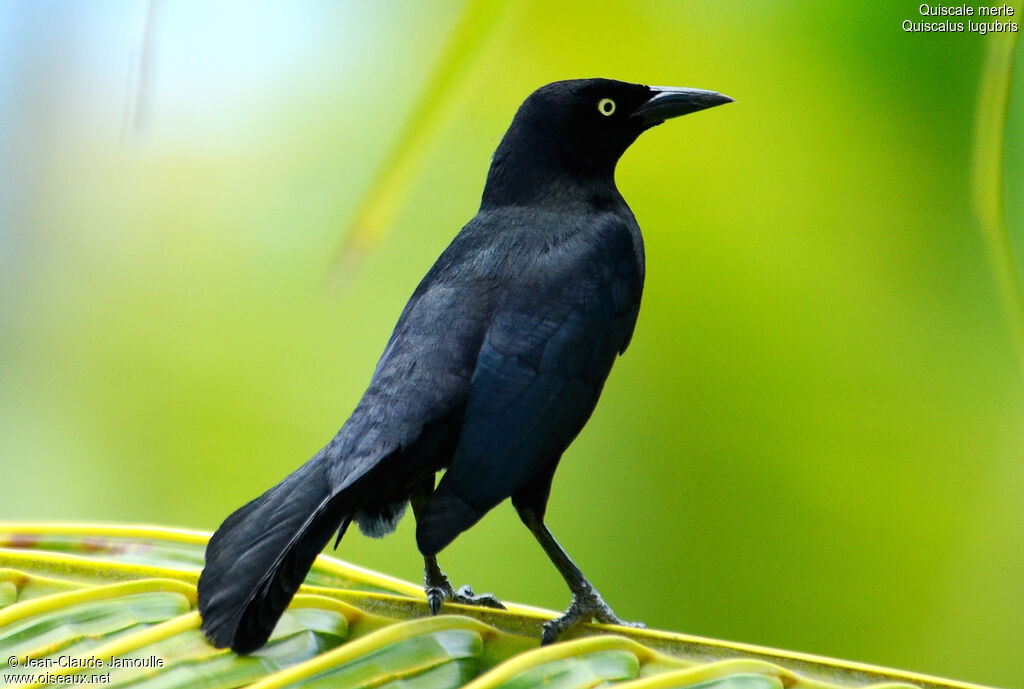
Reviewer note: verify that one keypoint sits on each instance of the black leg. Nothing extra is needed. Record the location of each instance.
(435, 583)
(586, 603)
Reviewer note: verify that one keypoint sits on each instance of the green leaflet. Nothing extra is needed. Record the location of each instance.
(592, 669)
(191, 662)
(741, 682)
(447, 658)
(75, 628)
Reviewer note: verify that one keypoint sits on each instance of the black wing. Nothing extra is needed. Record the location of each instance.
(541, 367)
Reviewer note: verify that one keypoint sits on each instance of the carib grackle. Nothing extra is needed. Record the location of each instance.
(495, 365)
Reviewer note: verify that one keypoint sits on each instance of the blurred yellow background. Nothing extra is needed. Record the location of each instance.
(815, 440)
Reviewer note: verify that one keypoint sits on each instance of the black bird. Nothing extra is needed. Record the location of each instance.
(495, 365)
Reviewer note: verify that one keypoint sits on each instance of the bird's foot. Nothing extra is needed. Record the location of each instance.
(586, 605)
(466, 596)
(440, 591)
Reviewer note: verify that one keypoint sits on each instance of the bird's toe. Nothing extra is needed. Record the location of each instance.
(437, 595)
(466, 596)
(585, 607)
(440, 591)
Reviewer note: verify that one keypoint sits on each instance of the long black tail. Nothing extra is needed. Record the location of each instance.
(260, 555)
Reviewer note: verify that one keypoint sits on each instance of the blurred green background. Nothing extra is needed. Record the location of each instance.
(815, 440)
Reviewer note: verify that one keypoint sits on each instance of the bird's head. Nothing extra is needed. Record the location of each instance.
(578, 129)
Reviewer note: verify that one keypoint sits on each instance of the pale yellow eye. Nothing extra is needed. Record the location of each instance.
(606, 106)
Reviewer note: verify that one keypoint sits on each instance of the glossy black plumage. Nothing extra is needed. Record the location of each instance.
(494, 366)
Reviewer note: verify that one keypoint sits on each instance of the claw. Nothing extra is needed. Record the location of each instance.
(439, 589)
(586, 606)
(435, 597)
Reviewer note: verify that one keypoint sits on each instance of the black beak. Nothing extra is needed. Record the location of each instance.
(669, 101)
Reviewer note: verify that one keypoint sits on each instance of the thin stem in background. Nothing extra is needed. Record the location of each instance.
(989, 139)
(437, 104)
(136, 101)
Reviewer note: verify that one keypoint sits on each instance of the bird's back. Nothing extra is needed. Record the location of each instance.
(566, 291)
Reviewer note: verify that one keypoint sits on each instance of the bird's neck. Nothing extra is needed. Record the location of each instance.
(546, 173)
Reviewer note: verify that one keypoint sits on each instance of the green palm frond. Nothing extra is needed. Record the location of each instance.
(117, 605)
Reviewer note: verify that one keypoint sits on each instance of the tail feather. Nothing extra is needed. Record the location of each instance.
(258, 558)
(260, 555)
